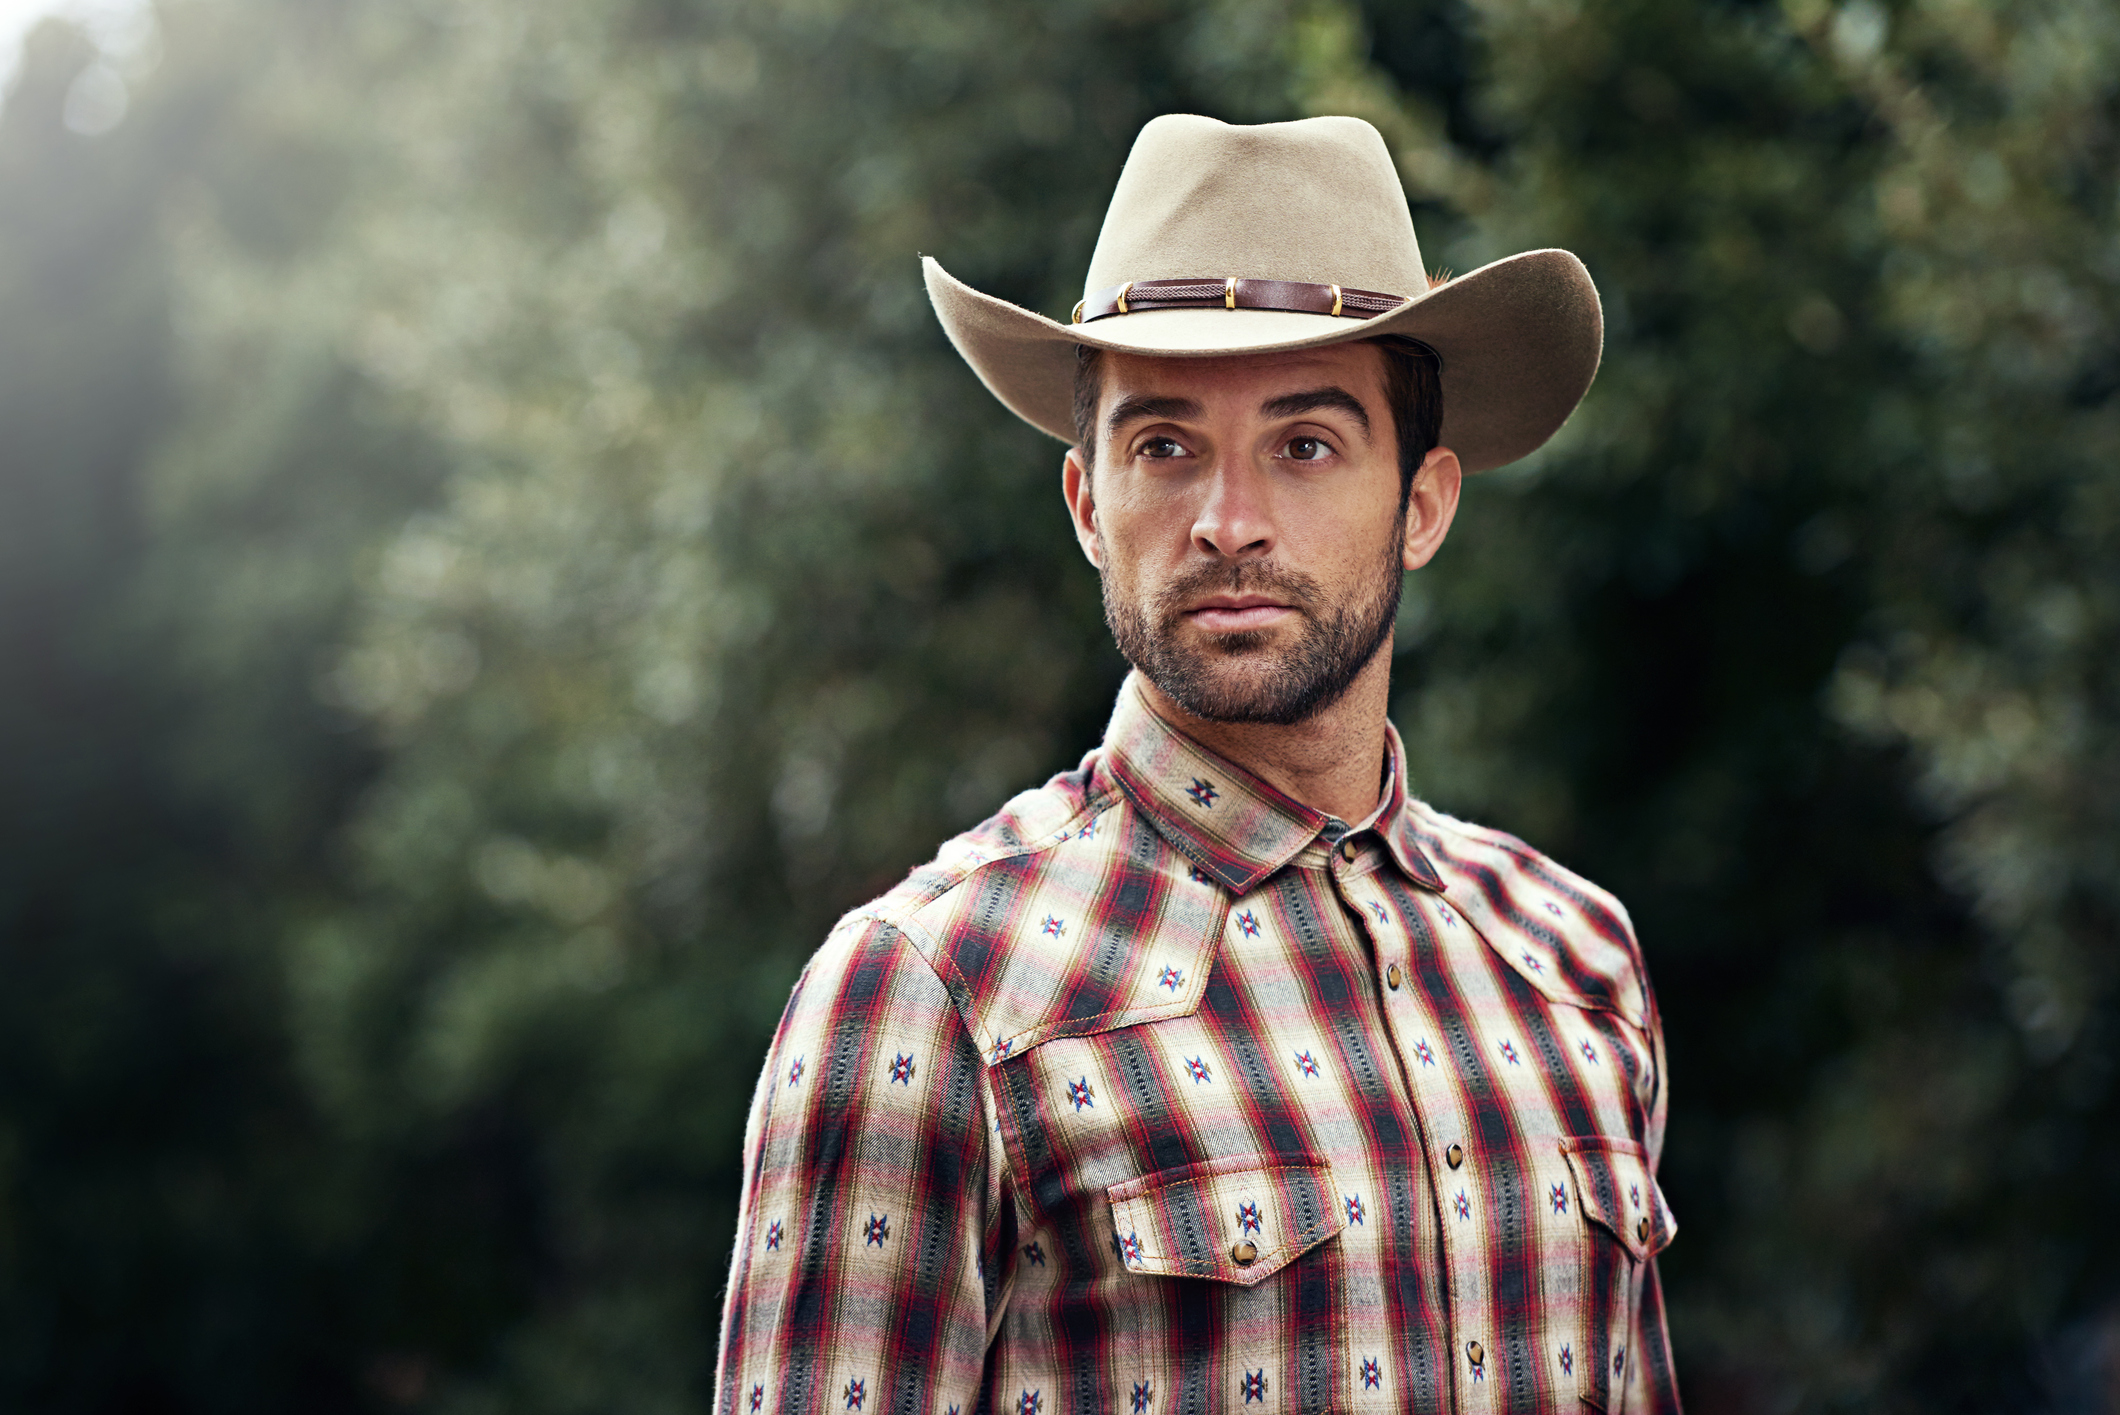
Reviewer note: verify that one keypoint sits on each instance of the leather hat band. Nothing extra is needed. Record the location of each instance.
(1141, 296)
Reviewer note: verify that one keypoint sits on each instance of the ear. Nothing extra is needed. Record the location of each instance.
(1081, 502)
(1432, 506)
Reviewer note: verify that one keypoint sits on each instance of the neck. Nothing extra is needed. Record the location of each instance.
(1331, 761)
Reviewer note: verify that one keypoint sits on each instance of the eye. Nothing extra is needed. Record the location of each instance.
(1308, 449)
(1161, 447)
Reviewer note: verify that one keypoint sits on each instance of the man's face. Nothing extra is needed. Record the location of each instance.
(1245, 515)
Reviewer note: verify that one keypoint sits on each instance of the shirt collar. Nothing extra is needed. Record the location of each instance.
(1227, 821)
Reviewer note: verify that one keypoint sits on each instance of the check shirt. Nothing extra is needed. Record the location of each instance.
(1162, 1092)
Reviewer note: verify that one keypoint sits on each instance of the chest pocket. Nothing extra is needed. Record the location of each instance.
(1238, 1220)
(1624, 1223)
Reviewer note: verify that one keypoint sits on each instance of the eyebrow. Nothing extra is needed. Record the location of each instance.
(1314, 400)
(1143, 406)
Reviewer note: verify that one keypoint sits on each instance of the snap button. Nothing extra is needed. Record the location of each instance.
(1455, 1154)
(1476, 1352)
(1393, 976)
(1244, 1255)
(1642, 1230)
(1347, 849)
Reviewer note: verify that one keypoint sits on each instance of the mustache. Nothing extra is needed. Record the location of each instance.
(1238, 577)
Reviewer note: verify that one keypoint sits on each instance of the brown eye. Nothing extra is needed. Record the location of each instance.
(1160, 447)
(1306, 449)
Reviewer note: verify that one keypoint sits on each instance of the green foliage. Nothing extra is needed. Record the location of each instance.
(498, 556)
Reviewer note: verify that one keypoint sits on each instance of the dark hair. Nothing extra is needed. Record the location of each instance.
(1413, 386)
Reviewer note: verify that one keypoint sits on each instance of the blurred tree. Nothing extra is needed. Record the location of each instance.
(153, 1139)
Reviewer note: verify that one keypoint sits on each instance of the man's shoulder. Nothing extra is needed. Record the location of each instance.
(1569, 937)
(1028, 825)
(1063, 913)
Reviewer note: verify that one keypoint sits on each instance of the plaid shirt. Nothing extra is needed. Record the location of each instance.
(1162, 1092)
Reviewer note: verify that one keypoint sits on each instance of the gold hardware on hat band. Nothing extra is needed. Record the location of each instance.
(1077, 319)
(1232, 292)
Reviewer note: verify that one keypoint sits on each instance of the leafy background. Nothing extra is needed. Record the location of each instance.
(495, 555)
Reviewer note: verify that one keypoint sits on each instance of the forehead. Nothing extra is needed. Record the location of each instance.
(1246, 378)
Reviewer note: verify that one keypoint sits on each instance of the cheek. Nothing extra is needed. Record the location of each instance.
(1140, 528)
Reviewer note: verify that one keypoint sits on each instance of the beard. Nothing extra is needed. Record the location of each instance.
(1236, 677)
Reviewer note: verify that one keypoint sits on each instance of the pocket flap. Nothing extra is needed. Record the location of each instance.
(1240, 1219)
(1615, 1189)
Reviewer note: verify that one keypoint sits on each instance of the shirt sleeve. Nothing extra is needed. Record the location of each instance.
(1653, 1381)
(872, 1242)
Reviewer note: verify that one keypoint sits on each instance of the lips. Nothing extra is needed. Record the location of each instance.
(1229, 614)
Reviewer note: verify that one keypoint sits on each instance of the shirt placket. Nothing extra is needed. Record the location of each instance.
(1426, 1061)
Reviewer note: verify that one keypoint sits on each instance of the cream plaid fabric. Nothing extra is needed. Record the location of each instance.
(1161, 1092)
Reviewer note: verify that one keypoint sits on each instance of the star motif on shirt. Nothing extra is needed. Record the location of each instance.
(1306, 1063)
(1197, 1069)
(774, 1233)
(1372, 1374)
(879, 1228)
(1559, 1195)
(1035, 1254)
(795, 1073)
(1130, 1249)
(1619, 1360)
(1551, 907)
(1509, 1053)
(856, 1392)
(1199, 876)
(1634, 1195)
(1449, 918)
(1354, 1207)
(1588, 1050)
(1143, 1395)
(1203, 793)
(1053, 927)
(1088, 832)
(902, 1069)
(1247, 925)
(1462, 1204)
(1080, 1093)
(1170, 978)
(1531, 962)
(1567, 1359)
(758, 1396)
(1248, 1217)
(1029, 1403)
(1420, 1049)
(1254, 1386)
(1001, 1046)
(1383, 915)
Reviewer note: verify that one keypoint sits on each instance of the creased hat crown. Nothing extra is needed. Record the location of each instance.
(1317, 200)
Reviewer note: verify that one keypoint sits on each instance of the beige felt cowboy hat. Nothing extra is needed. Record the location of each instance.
(1240, 240)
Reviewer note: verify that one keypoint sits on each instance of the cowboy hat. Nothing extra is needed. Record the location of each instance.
(1243, 240)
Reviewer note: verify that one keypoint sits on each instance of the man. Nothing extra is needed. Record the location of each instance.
(1221, 1073)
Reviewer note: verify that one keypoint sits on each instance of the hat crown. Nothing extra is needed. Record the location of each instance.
(1317, 200)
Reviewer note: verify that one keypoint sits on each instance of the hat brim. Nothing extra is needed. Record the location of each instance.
(1518, 340)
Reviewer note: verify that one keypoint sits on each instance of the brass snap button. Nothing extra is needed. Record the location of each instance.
(1393, 976)
(1244, 1255)
(1476, 1352)
(1347, 850)
(1642, 1229)
(1455, 1154)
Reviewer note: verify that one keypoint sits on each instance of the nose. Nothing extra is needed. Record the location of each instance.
(1235, 519)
